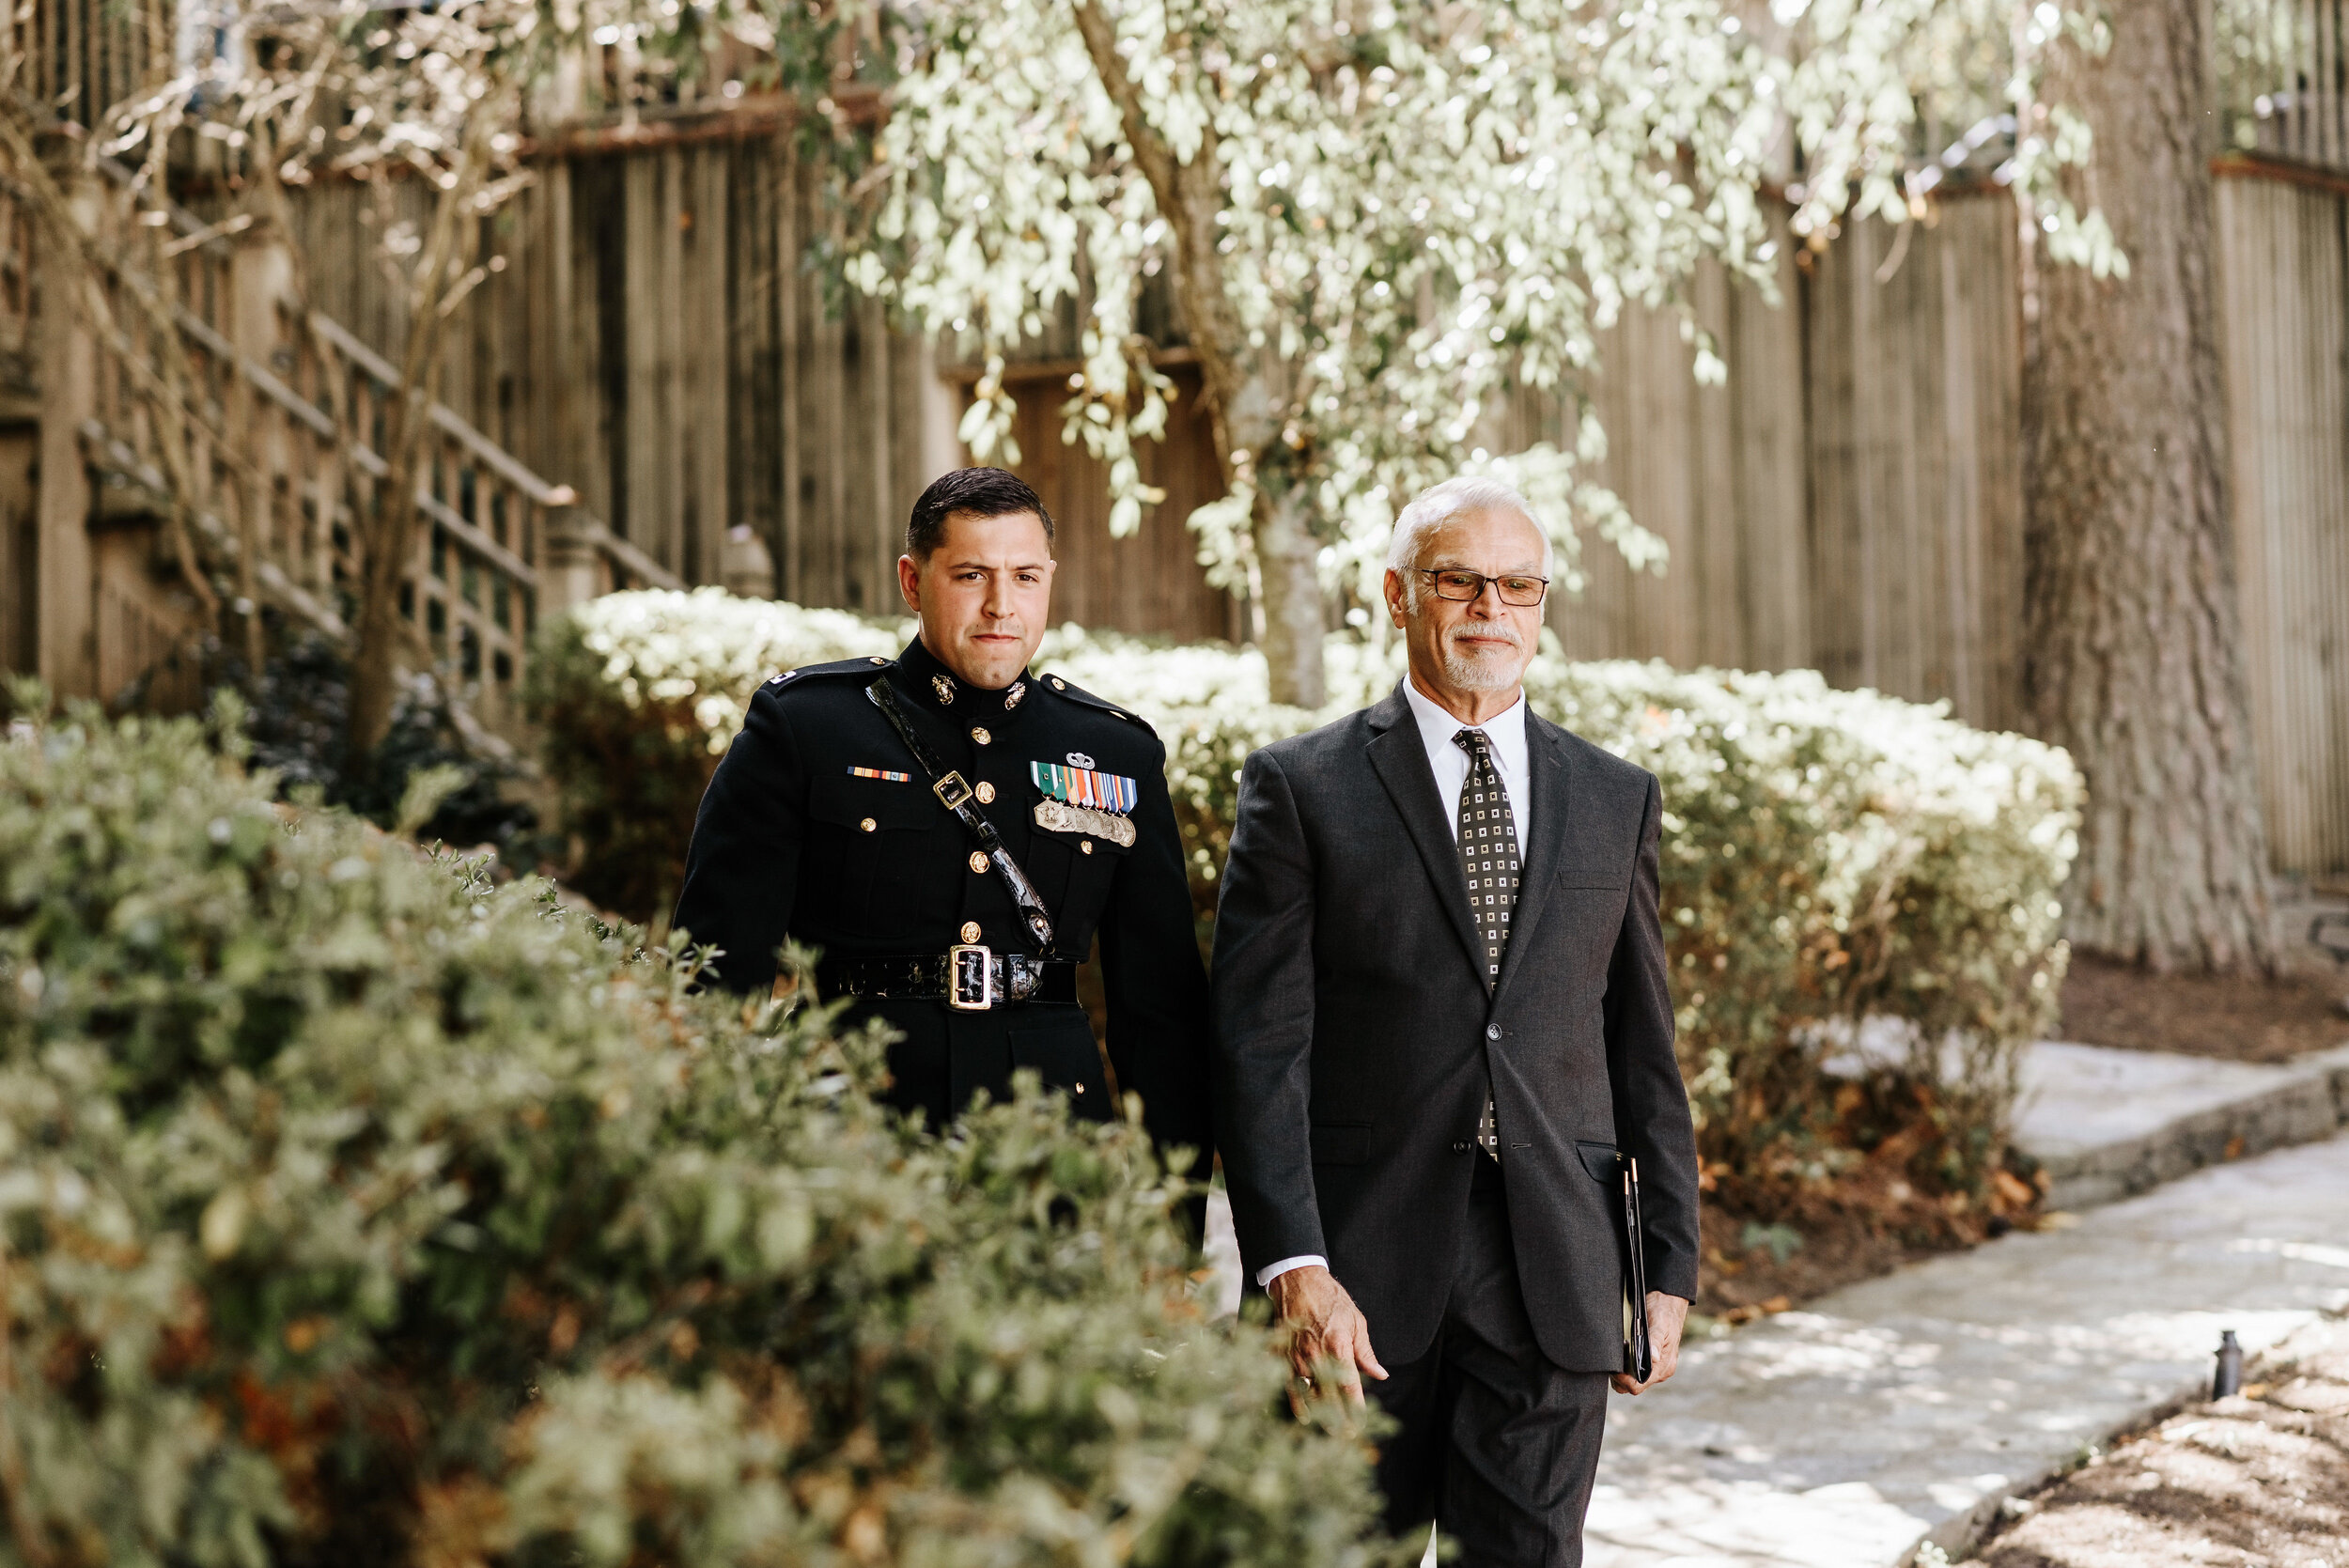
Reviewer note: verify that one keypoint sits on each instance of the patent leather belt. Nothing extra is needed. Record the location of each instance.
(968, 979)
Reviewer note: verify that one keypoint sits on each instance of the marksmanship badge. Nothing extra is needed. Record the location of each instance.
(1080, 800)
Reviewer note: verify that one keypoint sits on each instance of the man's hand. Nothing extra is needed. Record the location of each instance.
(1666, 1316)
(1331, 1332)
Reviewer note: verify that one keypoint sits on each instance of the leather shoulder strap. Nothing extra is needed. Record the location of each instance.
(957, 797)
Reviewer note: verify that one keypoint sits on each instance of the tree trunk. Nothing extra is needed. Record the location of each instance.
(388, 534)
(2133, 657)
(1289, 565)
(1246, 408)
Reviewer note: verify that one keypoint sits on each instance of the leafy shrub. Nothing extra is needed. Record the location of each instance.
(298, 726)
(354, 1210)
(640, 697)
(1830, 856)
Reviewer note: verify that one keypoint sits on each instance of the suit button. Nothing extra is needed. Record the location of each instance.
(985, 793)
(1492, 1031)
(978, 861)
(868, 824)
(1459, 1146)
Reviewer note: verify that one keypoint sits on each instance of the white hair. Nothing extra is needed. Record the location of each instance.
(1439, 504)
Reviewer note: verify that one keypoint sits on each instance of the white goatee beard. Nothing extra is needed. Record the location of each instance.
(1479, 671)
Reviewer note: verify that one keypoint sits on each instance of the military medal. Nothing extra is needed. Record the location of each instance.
(1080, 800)
(880, 773)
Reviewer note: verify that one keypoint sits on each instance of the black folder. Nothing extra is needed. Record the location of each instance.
(1638, 1354)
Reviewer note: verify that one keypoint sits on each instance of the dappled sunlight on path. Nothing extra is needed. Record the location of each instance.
(1839, 1436)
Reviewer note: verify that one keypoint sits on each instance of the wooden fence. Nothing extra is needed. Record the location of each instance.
(2283, 275)
(654, 337)
(1850, 501)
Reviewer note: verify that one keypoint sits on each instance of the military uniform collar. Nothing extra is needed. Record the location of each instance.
(922, 676)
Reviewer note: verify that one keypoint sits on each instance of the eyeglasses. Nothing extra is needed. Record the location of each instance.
(1516, 589)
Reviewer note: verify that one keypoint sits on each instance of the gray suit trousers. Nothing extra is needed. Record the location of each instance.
(1498, 1445)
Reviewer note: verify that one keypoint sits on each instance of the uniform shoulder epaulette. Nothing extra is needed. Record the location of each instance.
(869, 666)
(1078, 694)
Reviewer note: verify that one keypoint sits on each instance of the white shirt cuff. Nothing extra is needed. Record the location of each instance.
(1270, 1272)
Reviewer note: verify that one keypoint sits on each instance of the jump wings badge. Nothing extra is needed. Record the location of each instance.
(1080, 800)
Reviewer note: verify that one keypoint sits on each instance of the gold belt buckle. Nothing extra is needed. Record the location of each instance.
(970, 978)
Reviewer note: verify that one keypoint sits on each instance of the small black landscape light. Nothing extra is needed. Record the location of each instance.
(2227, 1381)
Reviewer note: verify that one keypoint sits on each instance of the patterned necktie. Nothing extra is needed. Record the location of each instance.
(1488, 857)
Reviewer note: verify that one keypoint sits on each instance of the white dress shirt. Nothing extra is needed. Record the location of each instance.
(1505, 734)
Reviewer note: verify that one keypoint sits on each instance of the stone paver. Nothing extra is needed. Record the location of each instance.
(2108, 1123)
(1904, 1407)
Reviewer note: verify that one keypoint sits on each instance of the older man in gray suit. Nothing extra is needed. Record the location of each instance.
(1442, 1016)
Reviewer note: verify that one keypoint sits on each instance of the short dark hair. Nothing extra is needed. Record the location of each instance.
(986, 492)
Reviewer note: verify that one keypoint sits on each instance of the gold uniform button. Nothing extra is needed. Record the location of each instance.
(978, 861)
(1086, 846)
(868, 824)
(876, 659)
(1080, 1089)
(986, 792)
(1058, 685)
(970, 930)
(979, 734)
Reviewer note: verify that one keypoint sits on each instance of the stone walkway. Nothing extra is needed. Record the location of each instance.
(2108, 1123)
(1905, 1408)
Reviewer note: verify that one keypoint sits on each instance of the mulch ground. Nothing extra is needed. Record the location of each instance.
(2260, 1480)
(2243, 1020)
(1741, 1280)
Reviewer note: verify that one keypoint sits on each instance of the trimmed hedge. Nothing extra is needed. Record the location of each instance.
(354, 1210)
(1829, 855)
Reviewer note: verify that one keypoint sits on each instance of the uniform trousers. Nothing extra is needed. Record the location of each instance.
(1499, 1446)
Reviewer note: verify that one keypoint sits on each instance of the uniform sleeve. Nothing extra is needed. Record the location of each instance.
(1264, 1024)
(1156, 988)
(743, 870)
(1652, 1121)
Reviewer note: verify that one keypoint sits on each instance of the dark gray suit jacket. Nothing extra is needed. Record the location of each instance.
(1354, 1027)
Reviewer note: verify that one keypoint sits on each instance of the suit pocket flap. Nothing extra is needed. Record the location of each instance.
(1341, 1142)
(1600, 1159)
(850, 802)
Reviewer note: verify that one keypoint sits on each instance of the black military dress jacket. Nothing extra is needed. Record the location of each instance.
(819, 826)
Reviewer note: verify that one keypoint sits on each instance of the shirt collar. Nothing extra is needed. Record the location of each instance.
(920, 672)
(1506, 730)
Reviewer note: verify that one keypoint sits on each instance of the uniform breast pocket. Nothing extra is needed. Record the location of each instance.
(1063, 1054)
(865, 835)
(1076, 871)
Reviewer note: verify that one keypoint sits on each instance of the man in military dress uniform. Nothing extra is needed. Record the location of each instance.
(962, 928)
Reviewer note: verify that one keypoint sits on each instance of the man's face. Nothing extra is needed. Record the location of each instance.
(1479, 645)
(985, 595)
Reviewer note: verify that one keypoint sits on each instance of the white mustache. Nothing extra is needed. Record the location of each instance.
(1498, 631)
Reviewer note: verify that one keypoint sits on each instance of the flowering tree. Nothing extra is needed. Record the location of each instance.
(1374, 218)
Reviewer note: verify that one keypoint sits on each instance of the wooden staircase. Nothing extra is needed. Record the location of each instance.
(194, 430)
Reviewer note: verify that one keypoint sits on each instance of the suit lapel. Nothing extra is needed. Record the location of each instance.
(1545, 760)
(1400, 760)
